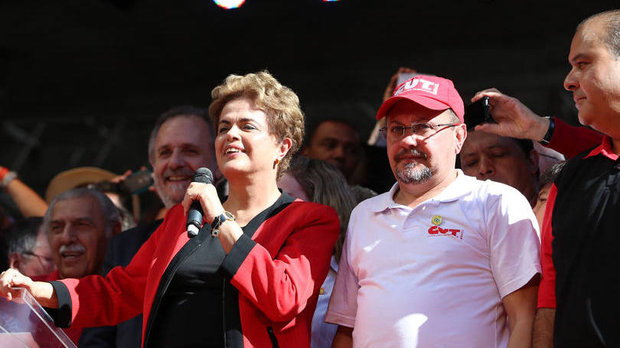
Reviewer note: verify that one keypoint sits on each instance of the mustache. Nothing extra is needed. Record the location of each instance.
(72, 248)
(407, 153)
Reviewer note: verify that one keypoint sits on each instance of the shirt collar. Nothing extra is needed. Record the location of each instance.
(458, 188)
(604, 149)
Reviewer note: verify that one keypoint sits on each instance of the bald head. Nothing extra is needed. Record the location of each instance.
(605, 27)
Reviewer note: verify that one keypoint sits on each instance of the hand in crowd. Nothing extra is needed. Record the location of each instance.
(11, 279)
(27, 200)
(389, 90)
(513, 118)
(125, 175)
(128, 173)
(122, 177)
(43, 292)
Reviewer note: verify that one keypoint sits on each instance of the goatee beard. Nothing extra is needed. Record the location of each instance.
(409, 175)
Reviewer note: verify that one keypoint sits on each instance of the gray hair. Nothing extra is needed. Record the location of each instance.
(22, 237)
(453, 117)
(179, 111)
(110, 213)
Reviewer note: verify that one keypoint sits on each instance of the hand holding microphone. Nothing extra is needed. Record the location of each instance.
(195, 213)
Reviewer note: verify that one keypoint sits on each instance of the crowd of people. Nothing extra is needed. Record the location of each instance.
(434, 233)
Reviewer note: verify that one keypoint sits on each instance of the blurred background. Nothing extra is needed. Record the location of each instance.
(82, 81)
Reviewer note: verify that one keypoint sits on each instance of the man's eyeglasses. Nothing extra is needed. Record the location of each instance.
(421, 129)
(42, 259)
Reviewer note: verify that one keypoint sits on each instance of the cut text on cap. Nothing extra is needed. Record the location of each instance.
(418, 84)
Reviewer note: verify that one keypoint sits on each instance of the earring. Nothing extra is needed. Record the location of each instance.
(275, 163)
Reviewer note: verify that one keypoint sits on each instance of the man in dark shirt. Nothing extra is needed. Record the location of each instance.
(578, 299)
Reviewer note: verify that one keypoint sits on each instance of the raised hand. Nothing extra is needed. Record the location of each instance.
(513, 118)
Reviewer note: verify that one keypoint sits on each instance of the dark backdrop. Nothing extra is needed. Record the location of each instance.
(81, 81)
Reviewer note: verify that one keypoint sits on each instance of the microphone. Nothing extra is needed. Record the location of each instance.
(194, 215)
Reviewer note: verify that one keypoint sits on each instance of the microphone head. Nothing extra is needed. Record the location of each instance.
(203, 175)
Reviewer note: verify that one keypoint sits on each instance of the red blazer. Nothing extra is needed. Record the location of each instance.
(278, 276)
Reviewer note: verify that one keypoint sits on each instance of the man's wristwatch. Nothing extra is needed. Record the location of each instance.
(547, 138)
(219, 220)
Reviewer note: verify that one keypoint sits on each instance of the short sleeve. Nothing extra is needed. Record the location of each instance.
(343, 302)
(513, 242)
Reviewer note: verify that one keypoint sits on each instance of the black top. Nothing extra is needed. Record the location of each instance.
(193, 301)
(195, 304)
(121, 250)
(586, 242)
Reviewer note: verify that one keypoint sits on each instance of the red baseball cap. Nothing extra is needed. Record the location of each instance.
(432, 92)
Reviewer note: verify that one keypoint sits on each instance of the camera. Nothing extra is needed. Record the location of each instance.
(477, 113)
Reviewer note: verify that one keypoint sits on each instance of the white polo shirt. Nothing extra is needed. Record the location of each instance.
(434, 276)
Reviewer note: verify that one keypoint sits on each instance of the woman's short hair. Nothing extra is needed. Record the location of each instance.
(281, 105)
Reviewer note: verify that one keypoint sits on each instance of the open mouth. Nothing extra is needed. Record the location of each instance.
(71, 256)
(232, 150)
(178, 176)
(174, 179)
(71, 253)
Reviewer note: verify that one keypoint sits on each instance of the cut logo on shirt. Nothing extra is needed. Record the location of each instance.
(435, 231)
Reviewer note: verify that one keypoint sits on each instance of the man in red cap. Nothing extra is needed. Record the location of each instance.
(441, 259)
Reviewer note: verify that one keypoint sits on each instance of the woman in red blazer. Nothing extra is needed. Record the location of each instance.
(252, 275)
